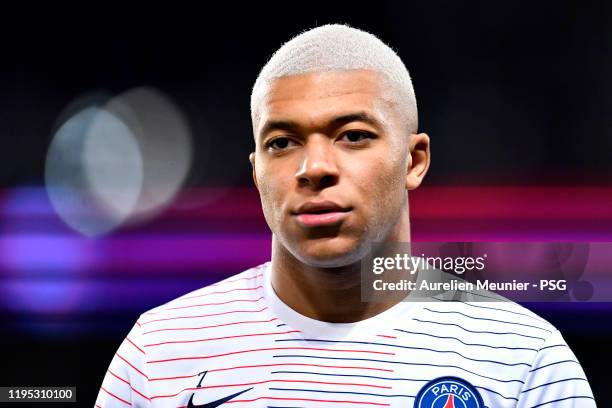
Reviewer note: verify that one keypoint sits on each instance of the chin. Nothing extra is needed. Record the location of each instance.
(330, 253)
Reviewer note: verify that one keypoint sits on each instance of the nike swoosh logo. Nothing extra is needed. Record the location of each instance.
(216, 403)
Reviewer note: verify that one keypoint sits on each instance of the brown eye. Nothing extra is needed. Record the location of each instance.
(279, 143)
(355, 136)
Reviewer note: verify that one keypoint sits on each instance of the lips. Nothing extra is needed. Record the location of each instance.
(320, 213)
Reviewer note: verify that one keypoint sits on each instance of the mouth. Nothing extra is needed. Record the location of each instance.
(322, 213)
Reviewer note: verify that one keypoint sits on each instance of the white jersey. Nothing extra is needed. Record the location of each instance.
(236, 344)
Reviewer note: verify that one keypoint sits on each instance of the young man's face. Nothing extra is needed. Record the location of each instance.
(334, 137)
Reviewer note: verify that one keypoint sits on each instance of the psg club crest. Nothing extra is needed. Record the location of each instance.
(448, 392)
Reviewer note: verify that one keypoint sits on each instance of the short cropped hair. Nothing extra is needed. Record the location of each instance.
(337, 47)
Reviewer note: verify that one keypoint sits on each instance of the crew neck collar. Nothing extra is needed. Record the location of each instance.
(312, 327)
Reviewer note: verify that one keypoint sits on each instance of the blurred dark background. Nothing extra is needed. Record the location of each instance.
(511, 94)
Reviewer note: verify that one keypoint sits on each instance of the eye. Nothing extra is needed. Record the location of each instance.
(356, 136)
(279, 143)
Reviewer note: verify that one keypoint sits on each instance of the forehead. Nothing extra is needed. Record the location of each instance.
(315, 97)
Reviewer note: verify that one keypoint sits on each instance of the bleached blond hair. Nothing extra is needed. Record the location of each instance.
(337, 47)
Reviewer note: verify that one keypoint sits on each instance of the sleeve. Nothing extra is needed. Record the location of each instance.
(126, 383)
(556, 379)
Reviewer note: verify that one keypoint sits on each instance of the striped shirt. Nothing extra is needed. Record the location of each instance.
(236, 344)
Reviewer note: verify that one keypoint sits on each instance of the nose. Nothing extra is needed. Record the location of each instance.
(318, 168)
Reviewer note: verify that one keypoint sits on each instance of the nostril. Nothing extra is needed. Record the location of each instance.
(327, 180)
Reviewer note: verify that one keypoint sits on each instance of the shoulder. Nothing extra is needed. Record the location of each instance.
(481, 311)
(242, 287)
(494, 320)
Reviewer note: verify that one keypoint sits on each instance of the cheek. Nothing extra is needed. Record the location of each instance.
(272, 192)
(384, 184)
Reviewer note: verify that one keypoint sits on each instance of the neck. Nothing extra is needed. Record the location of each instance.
(329, 294)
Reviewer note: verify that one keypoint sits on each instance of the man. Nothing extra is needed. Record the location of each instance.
(337, 148)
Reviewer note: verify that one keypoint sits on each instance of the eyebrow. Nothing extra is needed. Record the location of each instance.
(337, 121)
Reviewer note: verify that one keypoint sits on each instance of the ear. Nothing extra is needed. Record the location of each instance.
(418, 146)
(252, 160)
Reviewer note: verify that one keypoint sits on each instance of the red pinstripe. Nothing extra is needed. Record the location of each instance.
(134, 344)
(236, 280)
(308, 400)
(205, 304)
(274, 365)
(265, 349)
(221, 338)
(303, 364)
(206, 315)
(118, 398)
(270, 381)
(128, 383)
(212, 326)
(219, 292)
(131, 365)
